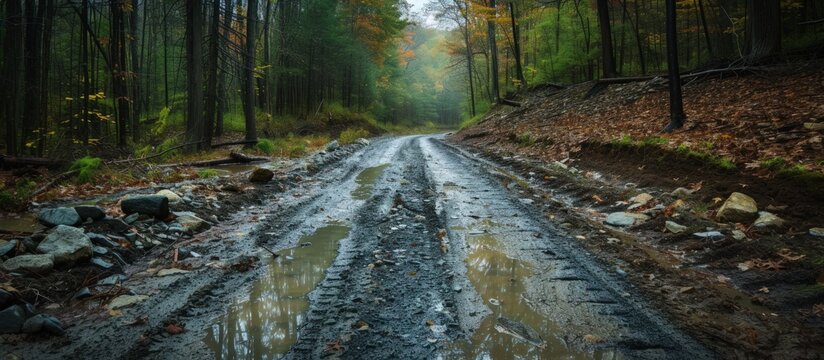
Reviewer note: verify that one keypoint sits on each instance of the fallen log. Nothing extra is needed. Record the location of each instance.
(723, 71)
(234, 158)
(57, 179)
(509, 102)
(243, 142)
(11, 162)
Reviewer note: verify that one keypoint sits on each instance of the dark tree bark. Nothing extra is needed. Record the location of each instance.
(135, 78)
(12, 56)
(32, 71)
(194, 73)
(677, 116)
(249, 69)
(607, 56)
(224, 64)
(763, 29)
(493, 50)
(48, 23)
(84, 68)
(516, 44)
(211, 83)
(118, 69)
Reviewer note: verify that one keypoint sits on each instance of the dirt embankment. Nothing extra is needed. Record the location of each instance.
(749, 290)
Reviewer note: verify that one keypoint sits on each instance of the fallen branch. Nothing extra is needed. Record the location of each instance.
(54, 182)
(155, 155)
(10, 162)
(509, 102)
(234, 158)
(622, 80)
(812, 22)
(244, 142)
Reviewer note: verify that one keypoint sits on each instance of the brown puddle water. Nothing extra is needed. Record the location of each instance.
(265, 325)
(366, 181)
(24, 223)
(499, 280)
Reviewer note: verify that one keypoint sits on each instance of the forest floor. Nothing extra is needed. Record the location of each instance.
(748, 290)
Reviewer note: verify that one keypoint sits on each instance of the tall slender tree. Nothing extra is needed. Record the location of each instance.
(12, 56)
(249, 71)
(493, 50)
(677, 116)
(194, 73)
(607, 54)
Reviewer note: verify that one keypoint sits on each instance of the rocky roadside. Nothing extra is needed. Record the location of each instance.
(734, 273)
(79, 260)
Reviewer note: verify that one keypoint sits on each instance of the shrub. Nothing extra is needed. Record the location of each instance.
(349, 136)
(16, 198)
(775, 163)
(86, 168)
(525, 139)
(266, 146)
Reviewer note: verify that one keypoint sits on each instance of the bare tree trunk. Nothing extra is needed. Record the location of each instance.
(493, 50)
(12, 56)
(607, 56)
(135, 77)
(248, 71)
(211, 83)
(194, 73)
(516, 42)
(677, 116)
(118, 70)
(32, 71)
(87, 81)
(763, 29)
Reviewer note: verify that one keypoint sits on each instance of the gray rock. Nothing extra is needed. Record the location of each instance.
(7, 246)
(100, 250)
(129, 219)
(112, 280)
(738, 208)
(261, 175)
(641, 199)
(12, 319)
(190, 222)
(82, 293)
(67, 244)
(153, 205)
(738, 235)
(126, 301)
(102, 240)
(682, 193)
(817, 231)
(332, 146)
(674, 227)
(768, 220)
(625, 219)
(59, 216)
(39, 263)
(101, 263)
(362, 141)
(90, 212)
(709, 234)
(43, 323)
(171, 195)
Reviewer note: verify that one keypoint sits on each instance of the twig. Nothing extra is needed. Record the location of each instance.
(155, 155)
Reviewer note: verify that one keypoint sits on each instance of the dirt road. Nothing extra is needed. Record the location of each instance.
(408, 248)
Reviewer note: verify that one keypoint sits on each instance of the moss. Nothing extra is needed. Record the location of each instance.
(623, 141)
(207, 173)
(349, 136)
(86, 168)
(654, 141)
(18, 196)
(775, 163)
(525, 139)
(265, 146)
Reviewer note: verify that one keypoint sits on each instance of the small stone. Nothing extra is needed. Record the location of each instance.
(67, 244)
(5, 298)
(39, 263)
(768, 220)
(682, 193)
(153, 205)
(625, 219)
(457, 288)
(738, 208)
(90, 212)
(674, 227)
(817, 232)
(171, 195)
(82, 294)
(709, 234)
(123, 301)
(527, 201)
(129, 219)
(12, 319)
(43, 323)
(112, 280)
(261, 175)
(738, 235)
(7, 246)
(191, 222)
(101, 263)
(332, 146)
(641, 199)
(172, 271)
(99, 250)
(362, 141)
(814, 126)
(59, 216)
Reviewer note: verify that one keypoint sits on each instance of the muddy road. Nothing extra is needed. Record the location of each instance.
(407, 248)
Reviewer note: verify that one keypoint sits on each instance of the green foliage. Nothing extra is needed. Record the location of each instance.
(18, 196)
(349, 136)
(86, 168)
(207, 173)
(266, 146)
(159, 127)
(623, 141)
(525, 139)
(654, 141)
(775, 163)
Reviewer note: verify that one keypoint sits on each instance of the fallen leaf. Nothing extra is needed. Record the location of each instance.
(764, 290)
(115, 313)
(597, 199)
(430, 323)
(361, 325)
(174, 328)
(592, 339)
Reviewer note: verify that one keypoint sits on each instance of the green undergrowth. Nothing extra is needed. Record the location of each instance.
(16, 196)
(207, 173)
(349, 136)
(702, 153)
(796, 173)
(86, 167)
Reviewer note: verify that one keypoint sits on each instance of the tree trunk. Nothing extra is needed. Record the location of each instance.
(763, 29)
(133, 20)
(248, 70)
(516, 42)
(118, 70)
(677, 116)
(12, 56)
(87, 78)
(211, 83)
(194, 73)
(224, 61)
(493, 50)
(607, 56)
(32, 72)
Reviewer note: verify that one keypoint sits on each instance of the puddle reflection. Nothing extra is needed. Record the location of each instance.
(499, 280)
(366, 181)
(25, 223)
(265, 325)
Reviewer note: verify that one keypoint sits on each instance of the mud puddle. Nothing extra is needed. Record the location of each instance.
(366, 181)
(266, 324)
(233, 169)
(23, 223)
(499, 280)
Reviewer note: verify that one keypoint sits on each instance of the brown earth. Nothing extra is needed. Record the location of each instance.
(762, 296)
